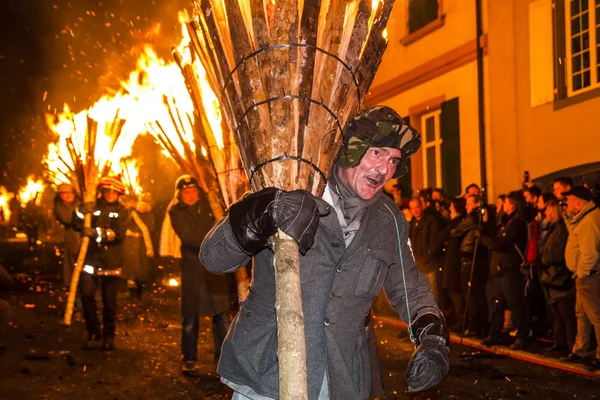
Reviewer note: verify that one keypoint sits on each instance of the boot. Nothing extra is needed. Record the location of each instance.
(520, 344)
(108, 343)
(92, 341)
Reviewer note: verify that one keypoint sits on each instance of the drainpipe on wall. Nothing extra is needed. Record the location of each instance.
(480, 100)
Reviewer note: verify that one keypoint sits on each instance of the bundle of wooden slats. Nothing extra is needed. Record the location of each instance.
(289, 75)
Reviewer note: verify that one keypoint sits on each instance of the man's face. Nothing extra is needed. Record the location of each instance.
(499, 205)
(559, 188)
(509, 207)
(416, 210)
(190, 195)
(377, 166)
(529, 198)
(471, 204)
(473, 191)
(110, 195)
(67, 197)
(436, 196)
(573, 204)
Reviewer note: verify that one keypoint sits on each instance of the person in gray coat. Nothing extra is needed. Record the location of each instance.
(203, 293)
(353, 242)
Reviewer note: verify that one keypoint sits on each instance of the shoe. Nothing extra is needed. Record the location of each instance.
(519, 344)
(555, 347)
(108, 344)
(491, 341)
(188, 368)
(591, 364)
(92, 342)
(572, 358)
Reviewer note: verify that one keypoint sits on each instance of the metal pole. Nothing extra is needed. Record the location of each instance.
(480, 100)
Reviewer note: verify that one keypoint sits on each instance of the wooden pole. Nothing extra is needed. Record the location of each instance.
(291, 349)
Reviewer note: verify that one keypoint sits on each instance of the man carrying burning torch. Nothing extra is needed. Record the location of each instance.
(348, 255)
(103, 261)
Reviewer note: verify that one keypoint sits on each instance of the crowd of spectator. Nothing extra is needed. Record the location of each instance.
(524, 269)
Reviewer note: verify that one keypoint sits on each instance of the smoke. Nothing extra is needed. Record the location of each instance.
(68, 51)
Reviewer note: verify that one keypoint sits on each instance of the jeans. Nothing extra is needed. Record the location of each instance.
(508, 291)
(564, 322)
(189, 335)
(323, 394)
(87, 288)
(434, 282)
(587, 310)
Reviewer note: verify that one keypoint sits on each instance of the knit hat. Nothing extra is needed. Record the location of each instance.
(65, 188)
(579, 191)
(111, 183)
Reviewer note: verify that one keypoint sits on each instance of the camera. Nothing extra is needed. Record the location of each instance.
(563, 202)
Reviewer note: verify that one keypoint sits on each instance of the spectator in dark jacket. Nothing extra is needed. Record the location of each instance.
(474, 265)
(451, 281)
(506, 286)
(424, 237)
(556, 278)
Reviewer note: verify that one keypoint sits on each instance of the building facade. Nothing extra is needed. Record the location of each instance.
(541, 85)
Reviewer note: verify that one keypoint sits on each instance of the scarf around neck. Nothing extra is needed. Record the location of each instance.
(352, 206)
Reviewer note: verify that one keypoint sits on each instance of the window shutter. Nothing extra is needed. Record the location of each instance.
(540, 52)
(450, 132)
(405, 181)
(559, 49)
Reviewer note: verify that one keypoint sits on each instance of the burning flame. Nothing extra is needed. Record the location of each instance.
(31, 192)
(131, 177)
(5, 198)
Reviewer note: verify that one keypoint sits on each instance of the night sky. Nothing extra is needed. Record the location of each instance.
(56, 51)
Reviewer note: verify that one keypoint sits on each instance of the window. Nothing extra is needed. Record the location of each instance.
(432, 149)
(421, 13)
(582, 28)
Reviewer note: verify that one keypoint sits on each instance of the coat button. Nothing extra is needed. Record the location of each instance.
(338, 269)
(332, 295)
(326, 321)
(335, 244)
(248, 314)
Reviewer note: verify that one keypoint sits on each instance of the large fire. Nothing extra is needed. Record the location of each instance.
(155, 99)
(31, 192)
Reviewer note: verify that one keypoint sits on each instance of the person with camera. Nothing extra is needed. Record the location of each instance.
(582, 255)
(506, 284)
(474, 265)
(103, 262)
(556, 279)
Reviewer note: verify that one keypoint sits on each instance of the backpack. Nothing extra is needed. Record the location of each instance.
(533, 238)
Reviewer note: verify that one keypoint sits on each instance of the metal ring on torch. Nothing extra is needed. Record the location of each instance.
(286, 157)
(284, 45)
(283, 158)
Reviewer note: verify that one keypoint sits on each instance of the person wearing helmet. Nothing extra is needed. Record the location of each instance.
(103, 261)
(203, 293)
(65, 203)
(353, 242)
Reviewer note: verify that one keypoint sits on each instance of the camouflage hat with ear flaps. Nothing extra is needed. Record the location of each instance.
(378, 126)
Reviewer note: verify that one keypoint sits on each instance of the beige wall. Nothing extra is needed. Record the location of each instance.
(462, 83)
(458, 29)
(551, 140)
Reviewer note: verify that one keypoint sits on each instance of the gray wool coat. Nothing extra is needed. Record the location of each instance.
(339, 285)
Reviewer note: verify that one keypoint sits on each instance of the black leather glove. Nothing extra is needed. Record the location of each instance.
(88, 232)
(430, 362)
(256, 217)
(251, 220)
(297, 214)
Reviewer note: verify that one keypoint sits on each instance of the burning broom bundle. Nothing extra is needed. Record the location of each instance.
(289, 75)
(186, 122)
(90, 145)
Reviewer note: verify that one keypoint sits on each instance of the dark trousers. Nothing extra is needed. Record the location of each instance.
(110, 287)
(507, 292)
(477, 306)
(189, 335)
(564, 322)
